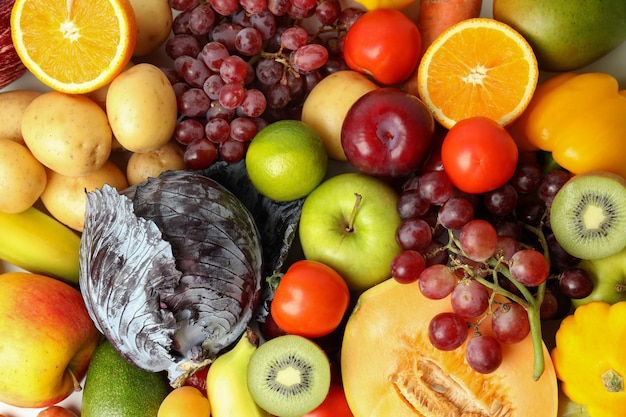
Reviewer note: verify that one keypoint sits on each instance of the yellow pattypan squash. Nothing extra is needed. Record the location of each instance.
(590, 357)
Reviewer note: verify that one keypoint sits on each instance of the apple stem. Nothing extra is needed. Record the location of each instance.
(357, 203)
(75, 380)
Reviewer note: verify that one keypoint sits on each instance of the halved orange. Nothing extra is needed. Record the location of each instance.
(74, 46)
(477, 67)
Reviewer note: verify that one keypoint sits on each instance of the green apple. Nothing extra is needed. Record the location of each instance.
(609, 279)
(349, 222)
(46, 340)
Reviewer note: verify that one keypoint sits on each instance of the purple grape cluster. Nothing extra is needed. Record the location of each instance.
(238, 65)
(470, 247)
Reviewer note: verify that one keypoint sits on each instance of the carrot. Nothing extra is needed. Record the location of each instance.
(435, 16)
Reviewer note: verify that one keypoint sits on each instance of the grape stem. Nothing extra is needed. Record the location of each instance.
(530, 303)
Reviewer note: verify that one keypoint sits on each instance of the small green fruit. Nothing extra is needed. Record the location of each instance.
(568, 408)
(609, 279)
(116, 388)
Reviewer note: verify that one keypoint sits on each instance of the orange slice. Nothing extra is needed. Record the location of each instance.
(74, 46)
(477, 67)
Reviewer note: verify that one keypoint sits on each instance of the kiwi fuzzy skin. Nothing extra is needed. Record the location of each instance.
(588, 215)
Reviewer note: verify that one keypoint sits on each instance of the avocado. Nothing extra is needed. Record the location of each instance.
(116, 388)
(566, 34)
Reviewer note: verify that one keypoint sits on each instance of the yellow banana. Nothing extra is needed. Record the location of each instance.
(37, 242)
(227, 382)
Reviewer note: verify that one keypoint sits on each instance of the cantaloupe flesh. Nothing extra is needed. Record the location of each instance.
(386, 344)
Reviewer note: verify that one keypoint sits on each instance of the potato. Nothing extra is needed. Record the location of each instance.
(22, 177)
(64, 196)
(69, 134)
(13, 103)
(142, 166)
(154, 24)
(142, 110)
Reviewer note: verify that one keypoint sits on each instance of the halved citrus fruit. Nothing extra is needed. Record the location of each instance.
(74, 46)
(478, 67)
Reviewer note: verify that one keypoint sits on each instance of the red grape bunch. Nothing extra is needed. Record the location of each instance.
(238, 65)
(493, 255)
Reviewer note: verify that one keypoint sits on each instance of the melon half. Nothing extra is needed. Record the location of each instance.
(390, 369)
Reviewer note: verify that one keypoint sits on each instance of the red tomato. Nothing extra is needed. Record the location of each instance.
(478, 155)
(335, 404)
(385, 44)
(310, 300)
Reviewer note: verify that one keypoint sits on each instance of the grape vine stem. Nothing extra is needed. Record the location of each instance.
(531, 304)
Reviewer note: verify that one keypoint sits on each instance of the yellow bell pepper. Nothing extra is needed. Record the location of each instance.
(589, 357)
(580, 119)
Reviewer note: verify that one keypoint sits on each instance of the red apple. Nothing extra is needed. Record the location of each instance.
(388, 133)
(46, 339)
(11, 67)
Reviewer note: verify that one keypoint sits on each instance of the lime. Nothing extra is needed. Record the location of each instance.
(286, 160)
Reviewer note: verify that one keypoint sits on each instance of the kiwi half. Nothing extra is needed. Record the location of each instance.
(288, 376)
(588, 215)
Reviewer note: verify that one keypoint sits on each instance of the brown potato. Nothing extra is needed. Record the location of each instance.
(142, 109)
(69, 134)
(13, 103)
(154, 24)
(22, 177)
(141, 166)
(64, 196)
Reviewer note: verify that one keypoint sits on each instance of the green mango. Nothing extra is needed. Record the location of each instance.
(116, 388)
(609, 279)
(566, 34)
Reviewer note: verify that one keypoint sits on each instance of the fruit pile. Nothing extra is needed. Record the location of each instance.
(240, 65)
(301, 208)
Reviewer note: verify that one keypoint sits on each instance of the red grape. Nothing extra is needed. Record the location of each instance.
(435, 187)
(447, 331)
(575, 283)
(551, 183)
(469, 298)
(407, 266)
(294, 37)
(483, 353)
(501, 201)
(200, 154)
(478, 240)
(308, 57)
(529, 267)
(455, 213)
(414, 234)
(437, 281)
(188, 130)
(510, 323)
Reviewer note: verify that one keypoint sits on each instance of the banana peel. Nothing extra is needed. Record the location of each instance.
(227, 381)
(37, 242)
